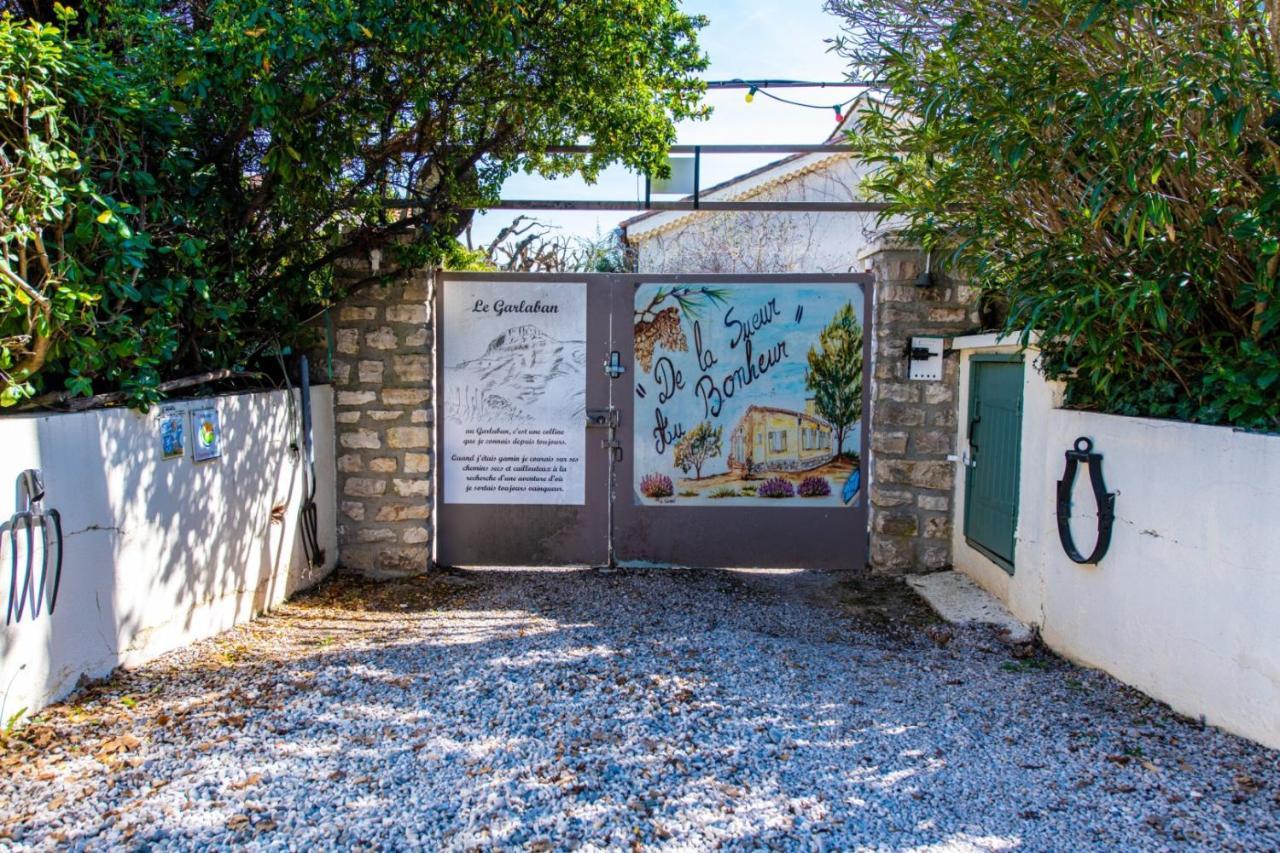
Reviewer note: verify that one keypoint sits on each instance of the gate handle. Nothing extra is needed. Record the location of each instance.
(1106, 501)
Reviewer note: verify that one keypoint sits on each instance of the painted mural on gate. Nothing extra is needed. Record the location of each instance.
(748, 394)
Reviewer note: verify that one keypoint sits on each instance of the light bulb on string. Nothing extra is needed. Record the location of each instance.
(751, 94)
(839, 114)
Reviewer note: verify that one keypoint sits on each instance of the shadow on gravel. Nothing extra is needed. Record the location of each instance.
(655, 708)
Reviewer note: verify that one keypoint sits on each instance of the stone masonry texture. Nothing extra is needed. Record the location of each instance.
(382, 380)
(913, 422)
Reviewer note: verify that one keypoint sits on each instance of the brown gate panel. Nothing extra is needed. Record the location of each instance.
(744, 437)
(518, 481)
(739, 412)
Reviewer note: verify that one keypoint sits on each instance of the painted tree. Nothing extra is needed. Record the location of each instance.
(834, 374)
(696, 446)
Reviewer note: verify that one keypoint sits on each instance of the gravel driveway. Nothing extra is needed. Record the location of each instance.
(548, 710)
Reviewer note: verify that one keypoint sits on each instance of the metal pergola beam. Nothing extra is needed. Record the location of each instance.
(639, 206)
(690, 204)
(725, 149)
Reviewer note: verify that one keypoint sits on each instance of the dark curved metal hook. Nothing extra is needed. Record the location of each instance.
(56, 518)
(1106, 502)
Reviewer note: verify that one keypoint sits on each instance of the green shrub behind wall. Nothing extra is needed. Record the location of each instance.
(194, 170)
(88, 205)
(1111, 168)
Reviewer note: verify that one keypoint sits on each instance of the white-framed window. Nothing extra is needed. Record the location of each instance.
(778, 441)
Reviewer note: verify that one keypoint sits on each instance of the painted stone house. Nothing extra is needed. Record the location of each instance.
(769, 439)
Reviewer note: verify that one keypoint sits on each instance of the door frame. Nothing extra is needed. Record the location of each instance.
(974, 393)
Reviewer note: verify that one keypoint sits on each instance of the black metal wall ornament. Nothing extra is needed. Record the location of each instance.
(310, 526)
(1106, 502)
(25, 586)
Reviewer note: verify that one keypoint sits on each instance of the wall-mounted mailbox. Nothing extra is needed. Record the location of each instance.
(924, 359)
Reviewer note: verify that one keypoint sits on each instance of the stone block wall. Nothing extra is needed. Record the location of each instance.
(383, 378)
(913, 422)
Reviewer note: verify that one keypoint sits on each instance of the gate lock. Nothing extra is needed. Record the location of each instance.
(602, 418)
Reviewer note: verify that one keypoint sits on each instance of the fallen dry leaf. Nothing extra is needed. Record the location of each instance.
(248, 781)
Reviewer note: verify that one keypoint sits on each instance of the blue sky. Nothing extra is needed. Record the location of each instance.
(750, 39)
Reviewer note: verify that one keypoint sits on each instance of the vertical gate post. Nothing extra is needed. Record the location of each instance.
(382, 378)
(913, 422)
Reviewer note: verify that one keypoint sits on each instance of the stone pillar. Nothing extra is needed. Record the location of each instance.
(382, 381)
(913, 423)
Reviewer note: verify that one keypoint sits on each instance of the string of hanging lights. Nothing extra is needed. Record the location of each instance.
(761, 87)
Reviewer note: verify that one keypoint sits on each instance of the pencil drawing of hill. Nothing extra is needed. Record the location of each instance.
(523, 375)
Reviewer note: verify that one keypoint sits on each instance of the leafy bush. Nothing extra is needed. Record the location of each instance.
(776, 487)
(657, 486)
(723, 492)
(99, 265)
(1109, 170)
(814, 487)
(194, 169)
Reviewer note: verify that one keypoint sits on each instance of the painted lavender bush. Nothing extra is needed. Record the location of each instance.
(814, 487)
(657, 486)
(776, 487)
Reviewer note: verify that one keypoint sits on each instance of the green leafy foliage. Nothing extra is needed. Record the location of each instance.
(834, 374)
(96, 260)
(1110, 170)
(200, 166)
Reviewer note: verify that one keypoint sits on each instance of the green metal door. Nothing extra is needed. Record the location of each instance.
(995, 438)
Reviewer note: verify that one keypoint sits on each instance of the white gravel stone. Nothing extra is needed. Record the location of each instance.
(573, 710)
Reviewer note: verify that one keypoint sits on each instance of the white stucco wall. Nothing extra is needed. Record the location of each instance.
(767, 242)
(158, 553)
(1185, 605)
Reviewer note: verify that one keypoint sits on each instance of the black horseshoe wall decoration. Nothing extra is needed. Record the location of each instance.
(1106, 501)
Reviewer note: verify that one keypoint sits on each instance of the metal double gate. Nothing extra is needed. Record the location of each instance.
(674, 420)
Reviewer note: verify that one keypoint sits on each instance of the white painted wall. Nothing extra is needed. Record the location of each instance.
(767, 242)
(158, 553)
(1185, 605)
